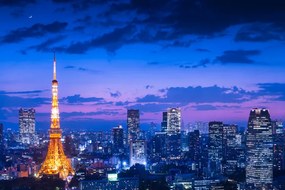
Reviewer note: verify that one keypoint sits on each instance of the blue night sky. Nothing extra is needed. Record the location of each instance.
(216, 59)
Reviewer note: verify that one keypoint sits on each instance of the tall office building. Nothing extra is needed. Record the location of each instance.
(278, 146)
(27, 125)
(133, 123)
(215, 149)
(195, 149)
(173, 121)
(138, 154)
(173, 135)
(164, 122)
(259, 145)
(118, 139)
(229, 149)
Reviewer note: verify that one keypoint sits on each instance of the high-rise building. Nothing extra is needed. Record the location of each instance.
(215, 149)
(158, 149)
(278, 146)
(195, 149)
(229, 149)
(56, 163)
(164, 122)
(118, 139)
(173, 135)
(138, 152)
(259, 146)
(133, 123)
(27, 125)
(173, 121)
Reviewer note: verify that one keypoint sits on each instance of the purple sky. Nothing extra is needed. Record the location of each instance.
(215, 60)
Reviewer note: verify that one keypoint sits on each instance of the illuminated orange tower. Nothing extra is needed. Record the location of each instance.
(56, 163)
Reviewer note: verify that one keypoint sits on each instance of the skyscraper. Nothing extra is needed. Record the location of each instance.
(118, 139)
(56, 162)
(215, 150)
(259, 145)
(278, 146)
(27, 125)
(164, 122)
(173, 135)
(173, 121)
(133, 123)
(138, 152)
(229, 149)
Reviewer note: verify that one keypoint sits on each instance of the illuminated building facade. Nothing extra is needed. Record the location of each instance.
(259, 145)
(173, 121)
(215, 150)
(56, 163)
(138, 152)
(27, 126)
(278, 146)
(229, 149)
(118, 139)
(133, 123)
(164, 122)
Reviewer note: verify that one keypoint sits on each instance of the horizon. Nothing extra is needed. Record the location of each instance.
(113, 56)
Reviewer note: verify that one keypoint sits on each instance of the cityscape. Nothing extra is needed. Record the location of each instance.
(142, 95)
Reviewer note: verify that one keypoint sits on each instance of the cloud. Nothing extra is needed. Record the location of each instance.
(77, 99)
(260, 32)
(237, 56)
(111, 41)
(199, 94)
(45, 46)
(205, 107)
(202, 63)
(148, 86)
(200, 17)
(150, 107)
(272, 89)
(22, 92)
(202, 50)
(36, 30)
(16, 3)
(17, 102)
(83, 69)
(116, 94)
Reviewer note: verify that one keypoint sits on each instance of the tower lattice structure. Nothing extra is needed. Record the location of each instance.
(56, 163)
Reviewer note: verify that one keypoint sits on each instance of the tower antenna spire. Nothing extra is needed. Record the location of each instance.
(54, 66)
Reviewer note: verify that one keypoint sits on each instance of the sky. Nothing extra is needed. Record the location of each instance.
(215, 59)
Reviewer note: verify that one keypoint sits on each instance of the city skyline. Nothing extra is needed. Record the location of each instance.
(142, 55)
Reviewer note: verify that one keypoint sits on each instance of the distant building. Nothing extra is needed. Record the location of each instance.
(278, 146)
(158, 150)
(27, 126)
(195, 149)
(229, 149)
(164, 122)
(112, 183)
(173, 121)
(259, 144)
(215, 149)
(133, 123)
(138, 154)
(118, 139)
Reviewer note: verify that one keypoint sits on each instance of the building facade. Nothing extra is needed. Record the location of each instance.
(27, 126)
(118, 139)
(133, 123)
(215, 149)
(259, 150)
